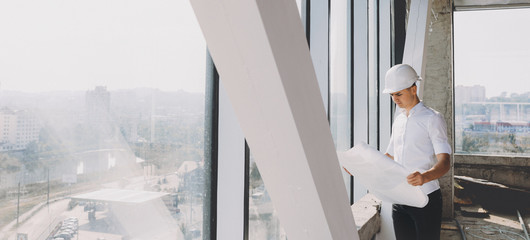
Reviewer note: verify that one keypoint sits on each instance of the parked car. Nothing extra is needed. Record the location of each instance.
(62, 235)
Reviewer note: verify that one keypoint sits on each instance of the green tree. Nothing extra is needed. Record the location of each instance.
(469, 143)
(9, 164)
(30, 156)
(53, 149)
(510, 144)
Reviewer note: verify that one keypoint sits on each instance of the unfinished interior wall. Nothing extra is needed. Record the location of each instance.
(438, 88)
(510, 171)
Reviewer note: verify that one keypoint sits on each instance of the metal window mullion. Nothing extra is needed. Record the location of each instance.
(306, 19)
(373, 65)
(350, 84)
(210, 150)
(246, 205)
(360, 79)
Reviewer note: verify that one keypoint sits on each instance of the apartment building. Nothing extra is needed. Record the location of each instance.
(17, 129)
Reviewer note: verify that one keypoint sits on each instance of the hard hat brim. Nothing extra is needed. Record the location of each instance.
(390, 90)
(386, 90)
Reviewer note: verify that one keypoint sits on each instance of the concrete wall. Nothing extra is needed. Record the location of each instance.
(438, 90)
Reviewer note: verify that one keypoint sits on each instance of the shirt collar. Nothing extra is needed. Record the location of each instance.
(414, 109)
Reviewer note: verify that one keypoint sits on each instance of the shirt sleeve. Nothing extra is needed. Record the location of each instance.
(438, 135)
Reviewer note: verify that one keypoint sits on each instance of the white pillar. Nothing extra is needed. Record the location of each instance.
(260, 50)
(416, 38)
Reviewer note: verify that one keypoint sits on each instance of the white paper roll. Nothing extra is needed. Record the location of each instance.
(383, 177)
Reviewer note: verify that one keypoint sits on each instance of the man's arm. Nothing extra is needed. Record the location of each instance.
(437, 171)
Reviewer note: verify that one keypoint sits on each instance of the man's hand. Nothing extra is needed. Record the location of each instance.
(438, 170)
(416, 179)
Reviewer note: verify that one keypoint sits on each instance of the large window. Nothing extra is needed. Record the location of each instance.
(263, 221)
(101, 120)
(262, 218)
(492, 94)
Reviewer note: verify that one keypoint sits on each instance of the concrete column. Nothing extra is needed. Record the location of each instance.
(438, 88)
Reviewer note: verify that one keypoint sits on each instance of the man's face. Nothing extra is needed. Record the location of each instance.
(405, 98)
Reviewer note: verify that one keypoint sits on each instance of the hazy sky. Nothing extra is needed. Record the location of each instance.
(492, 49)
(76, 45)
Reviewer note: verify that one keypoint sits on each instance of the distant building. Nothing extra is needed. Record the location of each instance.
(476, 93)
(17, 129)
(498, 126)
(97, 104)
(191, 175)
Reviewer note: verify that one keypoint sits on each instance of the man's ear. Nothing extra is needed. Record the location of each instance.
(414, 89)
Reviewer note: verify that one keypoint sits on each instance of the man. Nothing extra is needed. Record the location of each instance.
(419, 143)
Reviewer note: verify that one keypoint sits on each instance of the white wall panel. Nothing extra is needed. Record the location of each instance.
(416, 38)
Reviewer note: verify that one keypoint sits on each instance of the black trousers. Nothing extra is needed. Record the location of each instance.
(419, 223)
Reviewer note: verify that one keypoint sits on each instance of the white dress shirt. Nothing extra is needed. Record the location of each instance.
(416, 139)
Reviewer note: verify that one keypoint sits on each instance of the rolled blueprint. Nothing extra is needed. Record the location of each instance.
(383, 177)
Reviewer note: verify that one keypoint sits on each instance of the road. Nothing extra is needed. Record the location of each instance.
(42, 219)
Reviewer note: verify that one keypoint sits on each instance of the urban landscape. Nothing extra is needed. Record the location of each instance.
(495, 125)
(101, 164)
(55, 146)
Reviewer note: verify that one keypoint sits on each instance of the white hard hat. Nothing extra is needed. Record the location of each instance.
(400, 77)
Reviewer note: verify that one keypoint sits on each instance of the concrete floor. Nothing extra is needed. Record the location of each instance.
(498, 225)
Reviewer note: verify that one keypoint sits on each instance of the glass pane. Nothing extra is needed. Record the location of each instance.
(492, 94)
(101, 120)
(340, 84)
(340, 79)
(263, 220)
